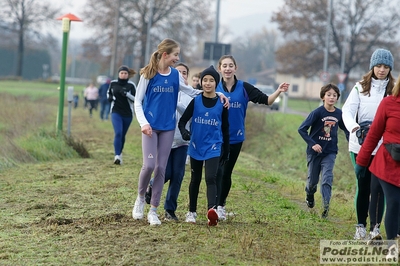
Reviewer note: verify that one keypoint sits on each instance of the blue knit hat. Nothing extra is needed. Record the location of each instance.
(210, 71)
(381, 57)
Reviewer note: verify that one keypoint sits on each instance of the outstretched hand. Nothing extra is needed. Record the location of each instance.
(283, 87)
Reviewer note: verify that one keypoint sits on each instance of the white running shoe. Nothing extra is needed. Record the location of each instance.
(191, 217)
(138, 209)
(118, 159)
(221, 213)
(375, 234)
(360, 232)
(152, 218)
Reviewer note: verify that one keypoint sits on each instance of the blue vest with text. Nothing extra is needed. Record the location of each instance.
(206, 131)
(160, 101)
(238, 100)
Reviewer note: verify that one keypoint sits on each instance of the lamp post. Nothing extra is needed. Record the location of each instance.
(149, 24)
(66, 24)
(327, 34)
(115, 40)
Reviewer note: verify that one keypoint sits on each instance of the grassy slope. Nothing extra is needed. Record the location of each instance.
(78, 211)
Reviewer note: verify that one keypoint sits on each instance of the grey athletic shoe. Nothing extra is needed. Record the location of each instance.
(170, 216)
(361, 233)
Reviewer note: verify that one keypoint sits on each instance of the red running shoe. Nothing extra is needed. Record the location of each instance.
(212, 216)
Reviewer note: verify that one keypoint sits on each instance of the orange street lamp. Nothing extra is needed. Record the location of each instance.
(66, 24)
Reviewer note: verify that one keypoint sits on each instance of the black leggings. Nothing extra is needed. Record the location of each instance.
(211, 167)
(224, 175)
(369, 199)
(392, 209)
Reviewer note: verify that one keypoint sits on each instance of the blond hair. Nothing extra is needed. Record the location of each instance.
(396, 88)
(166, 46)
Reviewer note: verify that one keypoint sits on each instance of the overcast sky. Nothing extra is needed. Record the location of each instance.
(240, 16)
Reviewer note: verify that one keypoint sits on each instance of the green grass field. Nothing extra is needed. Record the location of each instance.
(57, 208)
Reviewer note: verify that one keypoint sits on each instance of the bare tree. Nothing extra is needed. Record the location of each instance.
(186, 21)
(256, 52)
(357, 28)
(23, 16)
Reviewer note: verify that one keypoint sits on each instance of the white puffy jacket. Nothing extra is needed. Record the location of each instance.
(365, 106)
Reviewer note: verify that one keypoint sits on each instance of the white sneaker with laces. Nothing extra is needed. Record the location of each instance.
(375, 234)
(138, 209)
(221, 213)
(152, 218)
(191, 217)
(360, 232)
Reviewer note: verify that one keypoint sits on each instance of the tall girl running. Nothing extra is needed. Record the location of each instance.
(155, 106)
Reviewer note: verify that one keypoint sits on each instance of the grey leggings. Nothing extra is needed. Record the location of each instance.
(155, 150)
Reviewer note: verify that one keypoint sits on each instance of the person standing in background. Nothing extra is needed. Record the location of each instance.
(76, 100)
(121, 94)
(85, 101)
(91, 94)
(196, 81)
(103, 99)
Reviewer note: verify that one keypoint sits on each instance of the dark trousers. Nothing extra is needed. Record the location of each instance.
(211, 168)
(224, 174)
(174, 174)
(369, 198)
(104, 109)
(92, 105)
(320, 164)
(392, 208)
(121, 125)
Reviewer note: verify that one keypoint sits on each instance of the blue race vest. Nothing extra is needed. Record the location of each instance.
(160, 101)
(238, 101)
(206, 131)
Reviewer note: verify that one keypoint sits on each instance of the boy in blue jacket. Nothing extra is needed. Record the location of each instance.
(322, 146)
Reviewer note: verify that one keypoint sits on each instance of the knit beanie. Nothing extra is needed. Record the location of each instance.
(123, 68)
(210, 71)
(381, 57)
